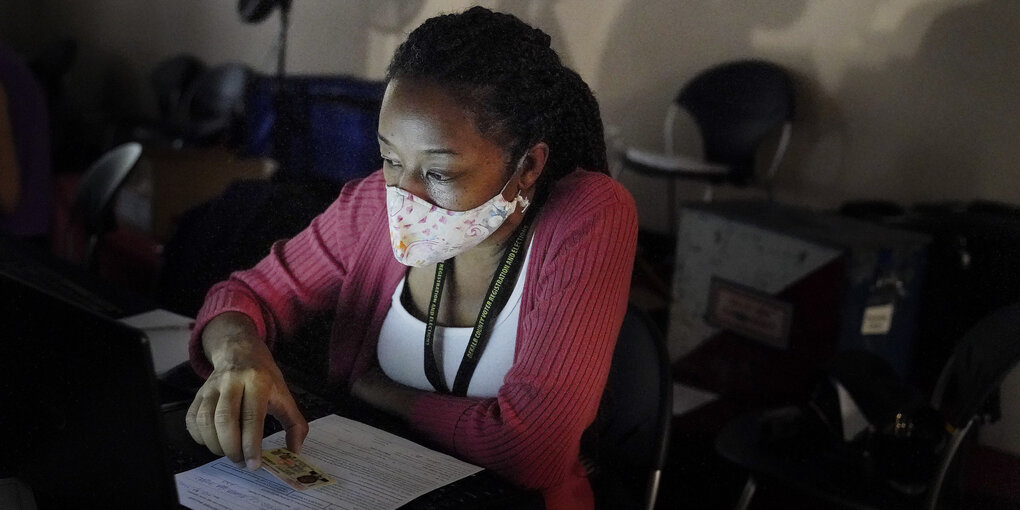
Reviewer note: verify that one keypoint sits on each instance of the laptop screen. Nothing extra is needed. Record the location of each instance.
(80, 424)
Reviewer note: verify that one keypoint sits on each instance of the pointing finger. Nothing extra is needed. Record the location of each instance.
(253, 414)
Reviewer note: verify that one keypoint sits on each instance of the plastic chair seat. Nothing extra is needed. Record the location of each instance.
(660, 164)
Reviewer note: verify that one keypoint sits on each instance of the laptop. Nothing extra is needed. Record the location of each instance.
(82, 425)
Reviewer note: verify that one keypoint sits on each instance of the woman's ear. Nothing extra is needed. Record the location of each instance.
(533, 165)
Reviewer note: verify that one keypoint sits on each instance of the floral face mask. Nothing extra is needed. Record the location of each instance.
(423, 234)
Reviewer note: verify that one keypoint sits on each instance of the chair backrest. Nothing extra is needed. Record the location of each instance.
(636, 409)
(736, 105)
(979, 363)
(171, 79)
(93, 202)
(970, 380)
(218, 91)
(212, 106)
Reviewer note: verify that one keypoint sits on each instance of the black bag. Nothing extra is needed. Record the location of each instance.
(905, 434)
(902, 435)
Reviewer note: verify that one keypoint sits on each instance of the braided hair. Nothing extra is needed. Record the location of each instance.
(513, 83)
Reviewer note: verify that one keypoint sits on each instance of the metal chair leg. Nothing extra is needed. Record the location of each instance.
(745, 496)
(653, 489)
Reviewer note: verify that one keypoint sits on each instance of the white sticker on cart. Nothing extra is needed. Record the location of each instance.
(877, 320)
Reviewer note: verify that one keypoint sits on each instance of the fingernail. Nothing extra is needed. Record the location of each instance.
(253, 464)
(239, 465)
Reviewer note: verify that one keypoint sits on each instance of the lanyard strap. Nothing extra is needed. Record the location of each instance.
(499, 292)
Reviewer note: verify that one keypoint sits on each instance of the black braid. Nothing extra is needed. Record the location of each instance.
(519, 92)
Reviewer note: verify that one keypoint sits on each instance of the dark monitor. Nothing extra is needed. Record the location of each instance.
(80, 419)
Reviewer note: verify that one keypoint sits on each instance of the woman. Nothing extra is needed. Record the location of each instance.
(494, 163)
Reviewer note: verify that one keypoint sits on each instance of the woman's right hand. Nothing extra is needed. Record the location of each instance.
(229, 409)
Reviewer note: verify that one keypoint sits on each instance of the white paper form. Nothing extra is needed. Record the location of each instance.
(168, 335)
(374, 470)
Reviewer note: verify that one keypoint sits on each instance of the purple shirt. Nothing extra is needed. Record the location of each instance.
(29, 120)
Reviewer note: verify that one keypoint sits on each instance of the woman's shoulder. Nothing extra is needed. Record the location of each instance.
(583, 190)
(368, 188)
(360, 201)
(362, 195)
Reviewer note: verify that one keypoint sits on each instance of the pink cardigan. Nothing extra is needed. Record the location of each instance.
(575, 296)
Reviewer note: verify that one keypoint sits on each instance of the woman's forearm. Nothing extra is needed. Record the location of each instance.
(386, 394)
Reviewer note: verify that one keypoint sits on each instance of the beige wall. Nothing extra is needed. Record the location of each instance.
(908, 100)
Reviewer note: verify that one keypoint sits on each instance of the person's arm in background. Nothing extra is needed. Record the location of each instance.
(10, 171)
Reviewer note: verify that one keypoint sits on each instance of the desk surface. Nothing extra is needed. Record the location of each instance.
(461, 495)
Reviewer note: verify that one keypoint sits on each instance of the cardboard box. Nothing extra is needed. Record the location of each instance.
(764, 294)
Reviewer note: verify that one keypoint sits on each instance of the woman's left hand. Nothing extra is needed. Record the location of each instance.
(378, 390)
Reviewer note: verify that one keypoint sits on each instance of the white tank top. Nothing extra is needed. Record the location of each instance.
(401, 348)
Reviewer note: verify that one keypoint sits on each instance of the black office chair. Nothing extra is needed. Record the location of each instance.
(92, 209)
(171, 80)
(735, 105)
(215, 102)
(965, 396)
(627, 445)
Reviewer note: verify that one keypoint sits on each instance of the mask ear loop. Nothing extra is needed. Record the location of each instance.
(524, 202)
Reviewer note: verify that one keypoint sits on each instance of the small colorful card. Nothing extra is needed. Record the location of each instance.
(293, 470)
